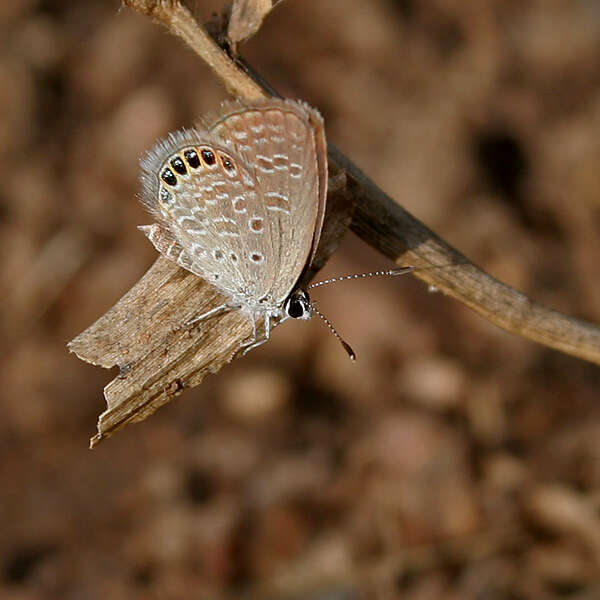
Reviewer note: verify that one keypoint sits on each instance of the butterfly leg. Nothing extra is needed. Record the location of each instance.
(208, 314)
(254, 341)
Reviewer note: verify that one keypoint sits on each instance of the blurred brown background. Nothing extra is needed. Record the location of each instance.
(452, 460)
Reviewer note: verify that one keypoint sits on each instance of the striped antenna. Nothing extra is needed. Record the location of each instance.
(327, 322)
(388, 273)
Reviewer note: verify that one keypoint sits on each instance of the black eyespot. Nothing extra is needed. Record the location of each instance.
(208, 157)
(179, 165)
(192, 158)
(165, 196)
(227, 164)
(168, 177)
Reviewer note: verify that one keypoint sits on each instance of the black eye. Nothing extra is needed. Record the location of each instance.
(295, 308)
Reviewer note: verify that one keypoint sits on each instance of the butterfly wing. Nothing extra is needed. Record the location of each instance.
(241, 204)
(196, 188)
(283, 143)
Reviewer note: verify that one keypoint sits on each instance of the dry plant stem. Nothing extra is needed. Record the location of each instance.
(397, 234)
(144, 335)
(246, 18)
(179, 21)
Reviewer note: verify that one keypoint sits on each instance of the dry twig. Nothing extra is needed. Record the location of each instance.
(142, 334)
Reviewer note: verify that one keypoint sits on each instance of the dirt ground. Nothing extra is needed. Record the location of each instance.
(453, 460)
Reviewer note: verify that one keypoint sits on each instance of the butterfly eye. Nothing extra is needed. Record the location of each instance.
(298, 305)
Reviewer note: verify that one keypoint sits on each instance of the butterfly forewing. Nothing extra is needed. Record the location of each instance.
(279, 140)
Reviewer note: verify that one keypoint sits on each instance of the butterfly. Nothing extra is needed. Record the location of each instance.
(240, 202)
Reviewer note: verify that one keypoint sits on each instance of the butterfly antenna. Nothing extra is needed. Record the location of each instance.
(327, 322)
(388, 273)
